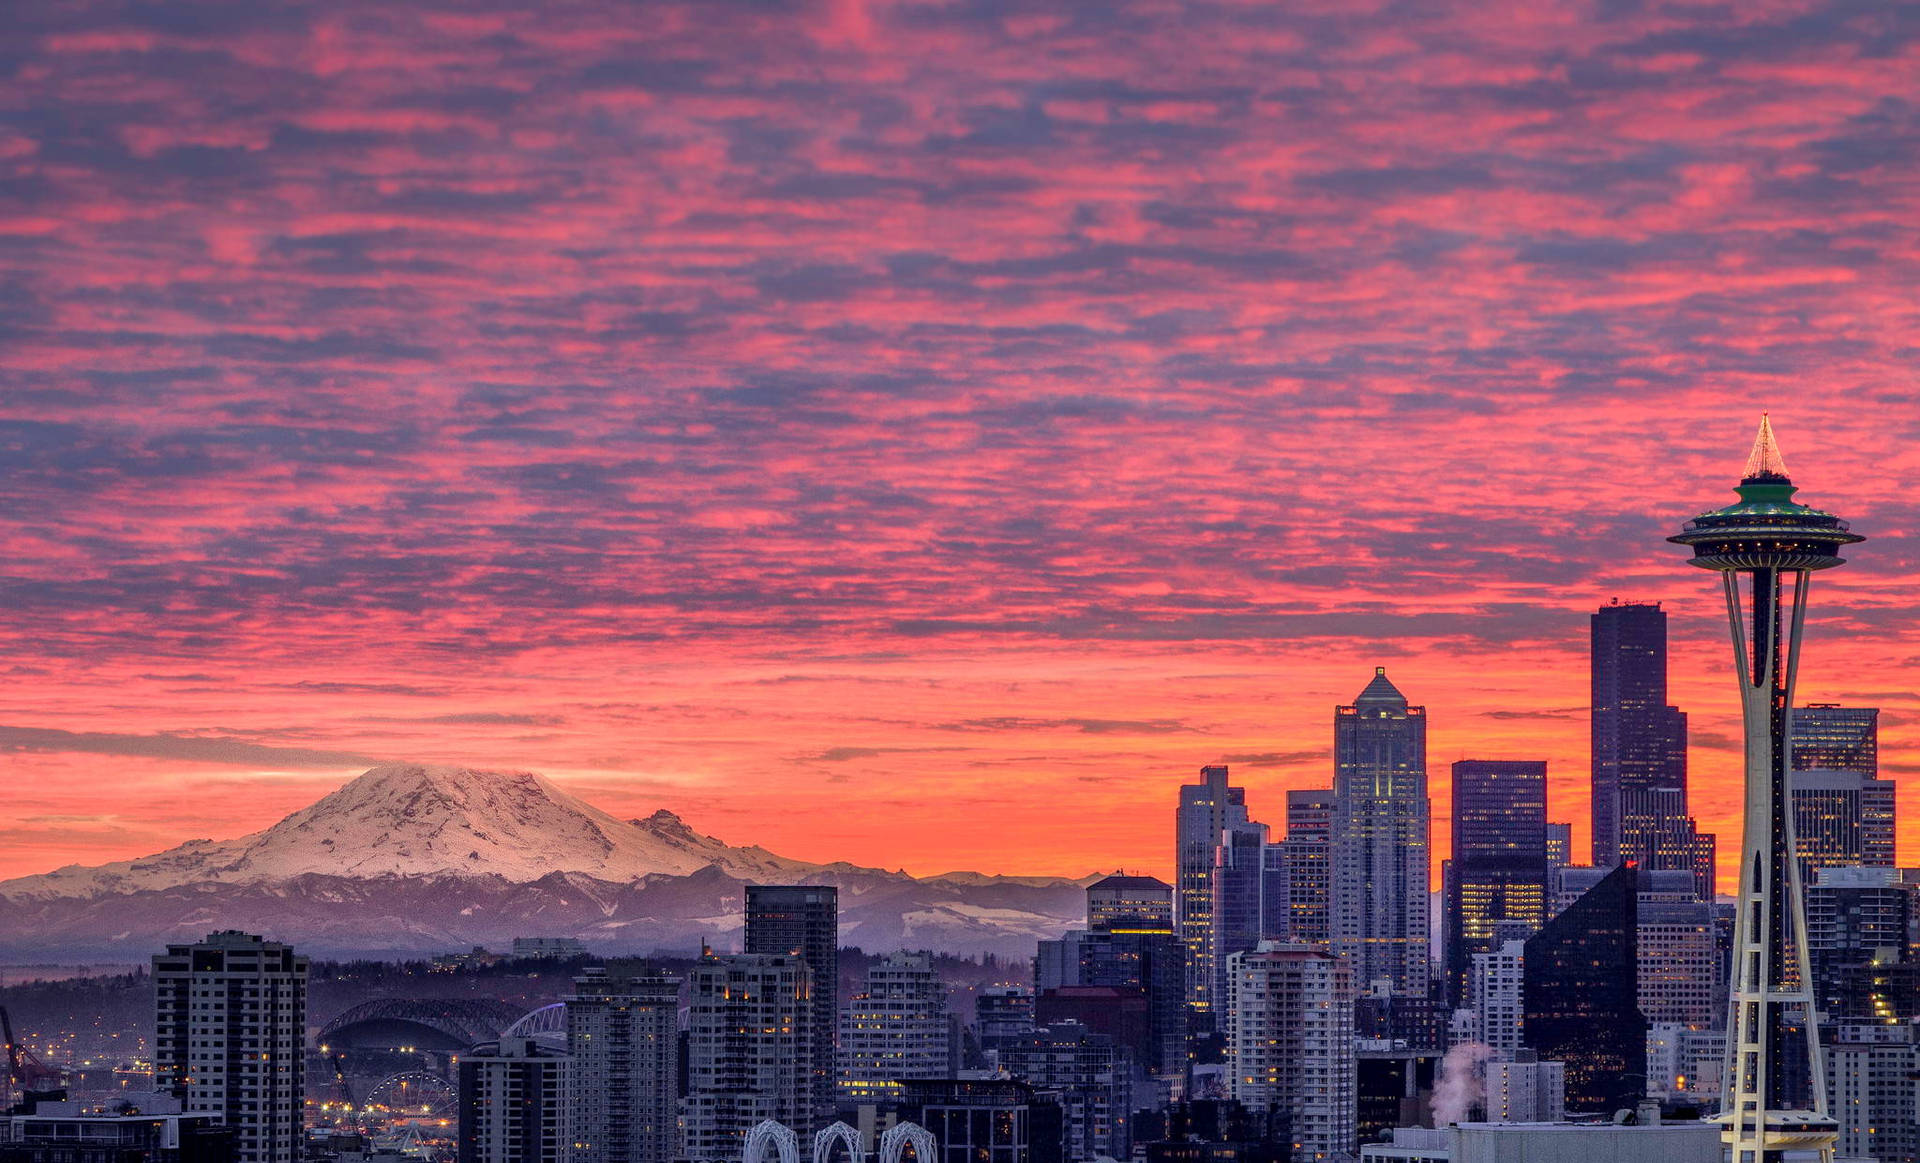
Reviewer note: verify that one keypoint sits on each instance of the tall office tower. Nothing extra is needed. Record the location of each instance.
(1773, 1035)
(623, 1035)
(1871, 1067)
(1496, 997)
(1300, 871)
(749, 1048)
(1843, 813)
(1640, 750)
(1559, 846)
(516, 1103)
(1380, 855)
(1290, 1043)
(1580, 987)
(1132, 903)
(1207, 809)
(230, 1035)
(803, 920)
(1830, 737)
(897, 1030)
(1499, 866)
(1239, 875)
(1088, 1076)
(1130, 986)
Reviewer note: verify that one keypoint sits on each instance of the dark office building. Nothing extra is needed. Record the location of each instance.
(1498, 872)
(1213, 1131)
(1393, 1087)
(1580, 993)
(804, 920)
(1640, 750)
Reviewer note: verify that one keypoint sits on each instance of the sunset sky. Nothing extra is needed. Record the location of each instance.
(919, 434)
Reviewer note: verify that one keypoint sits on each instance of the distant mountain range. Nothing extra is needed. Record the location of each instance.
(408, 859)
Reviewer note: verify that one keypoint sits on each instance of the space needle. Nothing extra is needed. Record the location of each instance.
(1774, 1089)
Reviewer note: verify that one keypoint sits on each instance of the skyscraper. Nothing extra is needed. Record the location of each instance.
(1499, 867)
(1290, 1043)
(803, 920)
(1843, 813)
(749, 1049)
(1380, 842)
(230, 1038)
(1239, 876)
(898, 1029)
(1580, 986)
(1206, 810)
(1640, 749)
(1772, 1030)
(623, 1036)
(1300, 866)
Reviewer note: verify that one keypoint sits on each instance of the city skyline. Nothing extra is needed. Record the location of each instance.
(865, 430)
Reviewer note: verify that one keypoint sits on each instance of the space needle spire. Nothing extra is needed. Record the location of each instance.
(1773, 1086)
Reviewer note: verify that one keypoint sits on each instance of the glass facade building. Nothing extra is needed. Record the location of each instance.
(1580, 994)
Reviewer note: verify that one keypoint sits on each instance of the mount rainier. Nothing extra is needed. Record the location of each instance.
(409, 859)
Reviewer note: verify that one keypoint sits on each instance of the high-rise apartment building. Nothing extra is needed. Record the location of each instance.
(1003, 1014)
(1300, 871)
(1581, 995)
(623, 1037)
(1496, 997)
(1380, 839)
(1133, 903)
(1498, 871)
(1207, 809)
(749, 1050)
(1523, 1089)
(898, 1029)
(1640, 750)
(1871, 1067)
(516, 1103)
(230, 1039)
(1290, 1044)
(803, 920)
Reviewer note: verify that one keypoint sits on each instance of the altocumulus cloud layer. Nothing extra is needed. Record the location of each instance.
(882, 431)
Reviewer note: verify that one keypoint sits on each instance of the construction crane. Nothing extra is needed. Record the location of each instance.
(32, 1080)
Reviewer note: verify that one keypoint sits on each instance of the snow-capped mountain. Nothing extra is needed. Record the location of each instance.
(408, 858)
(412, 820)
